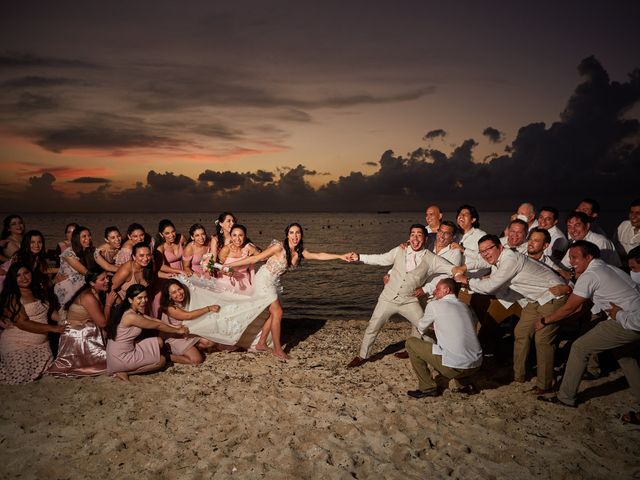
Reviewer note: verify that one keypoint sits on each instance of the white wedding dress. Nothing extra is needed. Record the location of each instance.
(241, 316)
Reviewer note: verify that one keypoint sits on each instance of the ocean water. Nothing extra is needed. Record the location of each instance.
(316, 290)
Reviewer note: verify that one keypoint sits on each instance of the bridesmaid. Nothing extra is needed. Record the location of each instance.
(225, 221)
(135, 234)
(138, 270)
(195, 250)
(66, 243)
(32, 254)
(241, 279)
(125, 356)
(11, 237)
(82, 349)
(105, 254)
(74, 264)
(24, 349)
(170, 245)
(174, 300)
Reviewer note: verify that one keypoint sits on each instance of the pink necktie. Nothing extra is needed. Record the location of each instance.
(411, 260)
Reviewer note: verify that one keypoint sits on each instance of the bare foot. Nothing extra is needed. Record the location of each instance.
(121, 376)
(280, 354)
(259, 349)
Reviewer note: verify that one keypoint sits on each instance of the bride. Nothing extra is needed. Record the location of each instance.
(240, 316)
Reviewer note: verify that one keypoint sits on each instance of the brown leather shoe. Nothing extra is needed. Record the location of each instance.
(432, 392)
(356, 362)
(403, 354)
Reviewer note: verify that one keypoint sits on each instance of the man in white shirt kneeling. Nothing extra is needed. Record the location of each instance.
(457, 353)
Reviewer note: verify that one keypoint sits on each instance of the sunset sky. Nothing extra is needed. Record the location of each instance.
(311, 105)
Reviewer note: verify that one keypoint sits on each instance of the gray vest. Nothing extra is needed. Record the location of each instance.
(402, 284)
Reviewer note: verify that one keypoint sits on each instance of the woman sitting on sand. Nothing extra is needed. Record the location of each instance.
(187, 349)
(231, 326)
(24, 349)
(125, 356)
(82, 349)
(240, 280)
(106, 253)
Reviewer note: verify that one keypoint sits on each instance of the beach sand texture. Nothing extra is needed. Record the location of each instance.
(244, 415)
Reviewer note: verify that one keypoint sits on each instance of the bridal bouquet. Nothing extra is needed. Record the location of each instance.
(209, 264)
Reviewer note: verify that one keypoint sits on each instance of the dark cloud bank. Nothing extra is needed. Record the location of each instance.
(594, 150)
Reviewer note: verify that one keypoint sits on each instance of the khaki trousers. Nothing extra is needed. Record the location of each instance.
(606, 335)
(421, 355)
(545, 341)
(411, 311)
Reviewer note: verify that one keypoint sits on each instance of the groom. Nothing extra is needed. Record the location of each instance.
(412, 267)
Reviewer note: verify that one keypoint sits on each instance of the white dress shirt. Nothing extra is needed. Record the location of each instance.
(559, 243)
(455, 327)
(454, 256)
(607, 285)
(522, 248)
(627, 236)
(516, 277)
(607, 250)
(469, 242)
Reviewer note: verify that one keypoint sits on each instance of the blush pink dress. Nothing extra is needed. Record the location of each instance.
(242, 280)
(82, 351)
(178, 344)
(195, 260)
(124, 354)
(174, 261)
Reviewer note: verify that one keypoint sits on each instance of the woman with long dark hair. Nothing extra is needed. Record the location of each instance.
(239, 320)
(82, 349)
(174, 299)
(74, 264)
(125, 355)
(105, 254)
(199, 246)
(139, 269)
(24, 349)
(240, 280)
(135, 234)
(32, 254)
(225, 221)
(11, 236)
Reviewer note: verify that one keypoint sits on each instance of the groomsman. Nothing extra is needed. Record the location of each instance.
(412, 266)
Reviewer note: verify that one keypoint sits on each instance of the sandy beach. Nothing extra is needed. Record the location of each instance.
(245, 415)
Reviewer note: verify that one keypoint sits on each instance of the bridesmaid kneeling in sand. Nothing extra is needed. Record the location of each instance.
(125, 356)
(82, 350)
(174, 299)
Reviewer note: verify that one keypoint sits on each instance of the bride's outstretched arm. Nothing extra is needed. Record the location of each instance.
(324, 256)
(253, 259)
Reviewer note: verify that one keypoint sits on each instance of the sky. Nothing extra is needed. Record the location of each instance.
(283, 105)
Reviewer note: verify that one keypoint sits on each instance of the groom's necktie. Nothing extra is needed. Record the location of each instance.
(411, 259)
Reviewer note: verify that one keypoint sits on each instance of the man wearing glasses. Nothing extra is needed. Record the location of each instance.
(517, 278)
